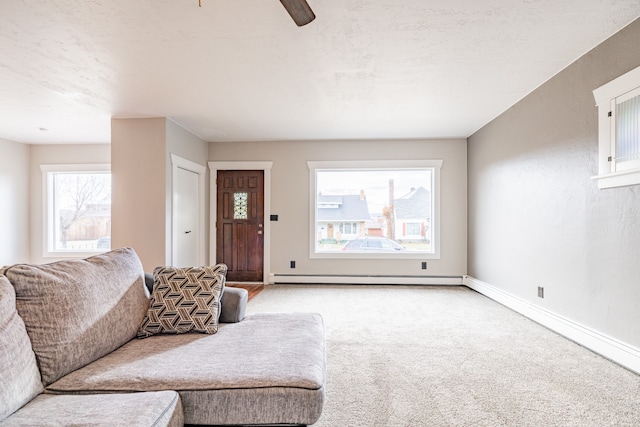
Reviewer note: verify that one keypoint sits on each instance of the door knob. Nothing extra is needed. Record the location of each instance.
(187, 232)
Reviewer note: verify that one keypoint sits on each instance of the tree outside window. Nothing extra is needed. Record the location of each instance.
(78, 211)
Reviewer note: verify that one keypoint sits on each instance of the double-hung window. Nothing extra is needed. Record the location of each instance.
(77, 209)
(619, 131)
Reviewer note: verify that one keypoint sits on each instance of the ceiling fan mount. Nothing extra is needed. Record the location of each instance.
(299, 10)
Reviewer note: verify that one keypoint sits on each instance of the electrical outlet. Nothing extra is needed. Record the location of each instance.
(540, 292)
(292, 264)
(424, 265)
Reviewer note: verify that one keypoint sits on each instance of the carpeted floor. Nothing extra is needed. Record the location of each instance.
(448, 356)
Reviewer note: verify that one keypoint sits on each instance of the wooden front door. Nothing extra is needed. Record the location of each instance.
(240, 224)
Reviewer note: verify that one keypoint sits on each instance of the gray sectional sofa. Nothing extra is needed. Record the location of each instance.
(70, 354)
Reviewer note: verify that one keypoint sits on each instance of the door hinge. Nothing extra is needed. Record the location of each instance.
(610, 114)
(609, 159)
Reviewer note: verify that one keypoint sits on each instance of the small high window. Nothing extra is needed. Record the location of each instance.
(619, 131)
(626, 147)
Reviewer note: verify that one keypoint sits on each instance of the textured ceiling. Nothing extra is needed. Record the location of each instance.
(237, 70)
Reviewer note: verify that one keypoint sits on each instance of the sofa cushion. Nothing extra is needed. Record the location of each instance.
(77, 310)
(20, 378)
(162, 408)
(233, 305)
(272, 365)
(184, 300)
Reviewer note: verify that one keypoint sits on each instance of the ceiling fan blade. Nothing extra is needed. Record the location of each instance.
(299, 11)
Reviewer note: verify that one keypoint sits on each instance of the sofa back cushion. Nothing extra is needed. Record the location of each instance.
(76, 311)
(20, 378)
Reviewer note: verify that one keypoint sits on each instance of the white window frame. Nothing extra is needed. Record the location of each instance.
(47, 206)
(436, 165)
(606, 96)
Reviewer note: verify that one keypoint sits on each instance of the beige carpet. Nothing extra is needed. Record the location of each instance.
(448, 356)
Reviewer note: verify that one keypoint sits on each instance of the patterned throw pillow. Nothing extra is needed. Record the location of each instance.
(184, 300)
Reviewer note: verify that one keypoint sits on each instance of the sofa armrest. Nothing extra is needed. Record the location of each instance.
(233, 304)
(148, 281)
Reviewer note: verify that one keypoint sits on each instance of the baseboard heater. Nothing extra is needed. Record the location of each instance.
(357, 279)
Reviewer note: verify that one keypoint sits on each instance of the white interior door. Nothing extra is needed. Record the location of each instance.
(186, 210)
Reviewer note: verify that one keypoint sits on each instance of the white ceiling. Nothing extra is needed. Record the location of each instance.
(237, 70)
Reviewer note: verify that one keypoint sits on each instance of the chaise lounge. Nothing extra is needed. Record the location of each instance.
(73, 356)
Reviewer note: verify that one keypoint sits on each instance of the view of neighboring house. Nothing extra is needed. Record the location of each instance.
(341, 217)
(412, 215)
(347, 217)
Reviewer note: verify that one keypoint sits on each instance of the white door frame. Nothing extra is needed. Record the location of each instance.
(179, 162)
(213, 211)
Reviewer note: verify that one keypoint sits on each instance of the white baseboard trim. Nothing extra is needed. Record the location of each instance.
(276, 278)
(611, 348)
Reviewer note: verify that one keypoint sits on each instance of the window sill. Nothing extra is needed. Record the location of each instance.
(618, 179)
(374, 255)
(69, 254)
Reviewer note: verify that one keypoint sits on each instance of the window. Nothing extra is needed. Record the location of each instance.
(619, 131)
(375, 209)
(77, 209)
(240, 205)
(626, 147)
(349, 228)
(413, 229)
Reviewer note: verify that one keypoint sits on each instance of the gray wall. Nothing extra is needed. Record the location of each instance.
(290, 200)
(535, 216)
(14, 208)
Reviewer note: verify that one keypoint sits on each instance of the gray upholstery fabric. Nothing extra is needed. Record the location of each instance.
(233, 305)
(157, 409)
(76, 311)
(19, 374)
(148, 281)
(275, 363)
(254, 406)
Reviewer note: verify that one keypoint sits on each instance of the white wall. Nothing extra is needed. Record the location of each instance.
(290, 200)
(14, 208)
(535, 216)
(54, 154)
